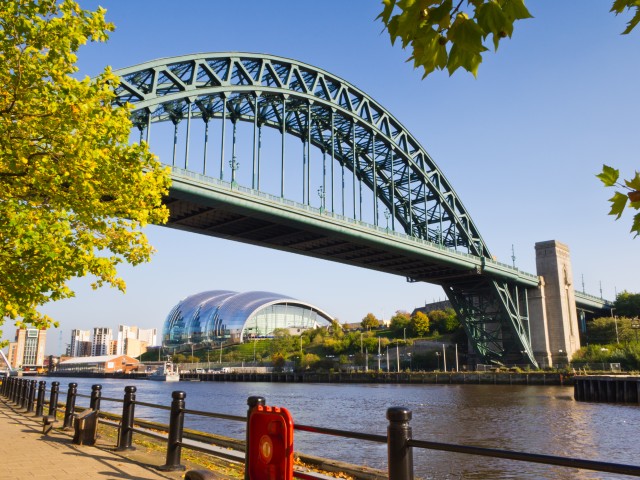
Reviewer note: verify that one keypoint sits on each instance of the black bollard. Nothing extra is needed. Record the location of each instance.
(25, 393)
(176, 423)
(53, 399)
(14, 386)
(70, 406)
(96, 393)
(16, 391)
(42, 385)
(32, 395)
(125, 437)
(252, 402)
(399, 453)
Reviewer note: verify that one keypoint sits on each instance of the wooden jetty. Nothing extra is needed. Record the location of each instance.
(607, 388)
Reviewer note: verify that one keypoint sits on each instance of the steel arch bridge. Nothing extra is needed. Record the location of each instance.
(429, 235)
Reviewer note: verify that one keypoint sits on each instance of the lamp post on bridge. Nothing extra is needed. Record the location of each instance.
(321, 195)
(387, 214)
(233, 163)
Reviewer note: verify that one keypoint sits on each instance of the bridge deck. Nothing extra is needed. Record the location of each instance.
(212, 207)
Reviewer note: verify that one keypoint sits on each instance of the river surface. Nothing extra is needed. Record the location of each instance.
(533, 419)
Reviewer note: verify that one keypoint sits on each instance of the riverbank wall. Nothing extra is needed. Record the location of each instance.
(437, 378)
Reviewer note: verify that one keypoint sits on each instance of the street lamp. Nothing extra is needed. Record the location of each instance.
(615, 320)
(321, 195)
(387, 214)
(233, 163)
(438, 357)
(404, 334)
(635, 324)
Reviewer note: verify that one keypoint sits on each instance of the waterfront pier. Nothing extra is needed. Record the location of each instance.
(605, 388)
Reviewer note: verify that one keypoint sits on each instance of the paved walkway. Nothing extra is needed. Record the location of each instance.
(26, 454)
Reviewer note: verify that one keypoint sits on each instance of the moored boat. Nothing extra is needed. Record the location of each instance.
(165, 373)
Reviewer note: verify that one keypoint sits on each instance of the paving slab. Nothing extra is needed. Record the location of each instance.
(27, 454)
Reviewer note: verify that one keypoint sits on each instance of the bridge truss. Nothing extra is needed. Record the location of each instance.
(354, 136)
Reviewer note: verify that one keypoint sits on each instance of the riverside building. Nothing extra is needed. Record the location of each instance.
(223, 316)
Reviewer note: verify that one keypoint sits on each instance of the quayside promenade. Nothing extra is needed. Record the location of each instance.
(27, 454)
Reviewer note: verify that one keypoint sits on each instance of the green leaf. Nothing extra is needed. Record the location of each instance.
(492, 19)
(467, 35)
(515, 9)
(428, 52)
(385, 15)
(634, 183)
(635, 226)
(441, 15)
(458, 57)
(620, 6)
(618, 203)
(609, 175)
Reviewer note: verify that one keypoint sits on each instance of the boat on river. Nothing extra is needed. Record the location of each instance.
(165, 373)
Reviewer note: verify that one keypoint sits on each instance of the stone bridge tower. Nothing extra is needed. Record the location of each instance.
(552, 307)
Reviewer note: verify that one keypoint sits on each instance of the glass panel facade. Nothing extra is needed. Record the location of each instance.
(221, 315)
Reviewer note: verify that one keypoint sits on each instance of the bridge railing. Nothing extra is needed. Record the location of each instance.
(400, 443)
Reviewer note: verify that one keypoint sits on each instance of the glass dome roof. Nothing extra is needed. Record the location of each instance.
(223, 315)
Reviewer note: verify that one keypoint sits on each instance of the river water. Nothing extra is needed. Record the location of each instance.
(533, 419)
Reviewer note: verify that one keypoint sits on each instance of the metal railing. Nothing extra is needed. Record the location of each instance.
(400, 443)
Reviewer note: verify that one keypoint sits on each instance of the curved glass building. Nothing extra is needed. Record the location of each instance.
(224, 316)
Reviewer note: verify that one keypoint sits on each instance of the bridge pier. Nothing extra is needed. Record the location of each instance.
(554, 324)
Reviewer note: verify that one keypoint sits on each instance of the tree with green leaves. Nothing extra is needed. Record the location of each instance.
(369, 322)
(448, 34)
(627, 304)
(74, 194)
(399, 322)
(420, 324)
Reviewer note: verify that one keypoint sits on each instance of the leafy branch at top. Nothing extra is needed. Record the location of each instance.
(620, 200)
(443, 34)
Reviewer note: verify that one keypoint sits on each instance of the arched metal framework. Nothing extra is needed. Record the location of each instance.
(353, 132)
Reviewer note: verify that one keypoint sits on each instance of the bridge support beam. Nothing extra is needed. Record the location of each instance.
(554, 326)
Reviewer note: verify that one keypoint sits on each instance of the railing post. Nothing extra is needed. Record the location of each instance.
(25, 393)
(32, 395)
(70, 406)
(14, 387)
(399, 453)
(94, 403)
(126, 427)
(40, 402)
(174, 442)
(252, 402)
(16, 391)
(53, 399)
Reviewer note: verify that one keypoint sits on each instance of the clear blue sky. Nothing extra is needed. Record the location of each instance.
(521, 145)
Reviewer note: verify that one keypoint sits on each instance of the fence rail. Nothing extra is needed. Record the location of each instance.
(400, 444)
